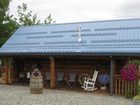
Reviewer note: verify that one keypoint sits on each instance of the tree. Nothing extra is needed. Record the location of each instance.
(7, 24)
(27, 18)
(3, 9)
(49, 20)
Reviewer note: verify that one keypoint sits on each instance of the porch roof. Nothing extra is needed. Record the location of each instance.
(110, 37)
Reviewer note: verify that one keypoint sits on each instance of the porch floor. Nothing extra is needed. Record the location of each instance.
(20, 95)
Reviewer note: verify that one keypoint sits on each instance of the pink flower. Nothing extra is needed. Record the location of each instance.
(129, 72)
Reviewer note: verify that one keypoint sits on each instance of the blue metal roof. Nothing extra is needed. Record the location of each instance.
(111, 37)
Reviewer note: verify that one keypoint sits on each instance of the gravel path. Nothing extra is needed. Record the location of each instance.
(18, 95)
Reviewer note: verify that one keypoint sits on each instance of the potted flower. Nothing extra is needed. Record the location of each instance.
(129, 72)
(136, 62)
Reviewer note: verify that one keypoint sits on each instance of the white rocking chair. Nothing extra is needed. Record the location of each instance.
(90, 82)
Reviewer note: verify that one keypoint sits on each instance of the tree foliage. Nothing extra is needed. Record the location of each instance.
(9, 23)
(26, 17)
(3, 9)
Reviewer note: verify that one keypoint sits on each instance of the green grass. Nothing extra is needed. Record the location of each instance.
(137, 97)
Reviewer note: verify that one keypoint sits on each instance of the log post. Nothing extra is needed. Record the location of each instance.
(6, 69)
(112, 67)
(10, 69)
(52, 73)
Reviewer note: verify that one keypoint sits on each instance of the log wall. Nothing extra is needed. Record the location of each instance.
(68, 65)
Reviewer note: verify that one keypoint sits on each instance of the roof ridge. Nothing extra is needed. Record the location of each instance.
(82, 22)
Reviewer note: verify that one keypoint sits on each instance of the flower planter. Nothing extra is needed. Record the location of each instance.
(36, 83)
(103, 88)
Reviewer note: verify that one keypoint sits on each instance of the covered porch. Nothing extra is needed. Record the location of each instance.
(15, 69)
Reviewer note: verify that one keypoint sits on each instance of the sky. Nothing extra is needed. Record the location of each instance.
(66, 11)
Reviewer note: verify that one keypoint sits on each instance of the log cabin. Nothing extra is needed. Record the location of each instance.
(78, 48)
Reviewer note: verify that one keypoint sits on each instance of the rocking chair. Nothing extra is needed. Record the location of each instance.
(90, 82)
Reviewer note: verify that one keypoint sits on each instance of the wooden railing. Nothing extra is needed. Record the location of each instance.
(123, 87)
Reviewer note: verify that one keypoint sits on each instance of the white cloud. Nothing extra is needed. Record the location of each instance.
(75, 10)
(130, 9)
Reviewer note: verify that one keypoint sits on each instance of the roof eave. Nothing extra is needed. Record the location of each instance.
(71, 54)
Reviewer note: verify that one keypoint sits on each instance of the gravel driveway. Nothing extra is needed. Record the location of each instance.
(18, 95)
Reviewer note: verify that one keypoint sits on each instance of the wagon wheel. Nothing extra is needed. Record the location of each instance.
(82, 77)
